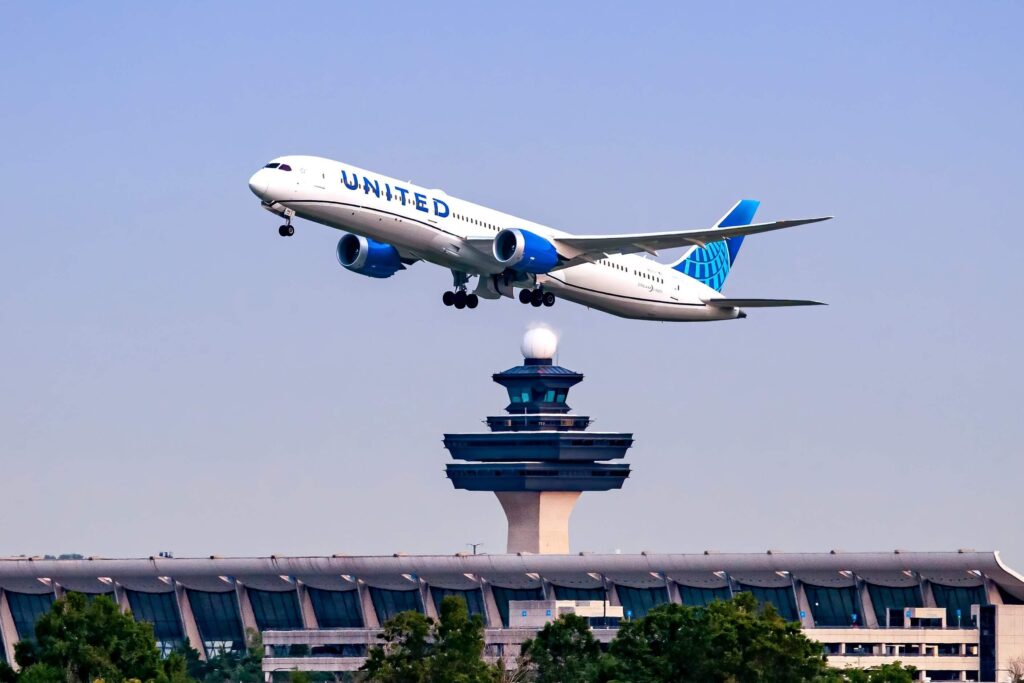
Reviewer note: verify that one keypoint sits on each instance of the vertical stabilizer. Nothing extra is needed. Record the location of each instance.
(711, 264)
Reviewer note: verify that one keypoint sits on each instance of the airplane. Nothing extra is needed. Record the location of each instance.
(391, 224)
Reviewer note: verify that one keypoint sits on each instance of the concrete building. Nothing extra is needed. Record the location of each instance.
(955, 616)
(539, 458)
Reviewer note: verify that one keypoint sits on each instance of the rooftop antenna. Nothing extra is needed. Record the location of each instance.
(474, 546)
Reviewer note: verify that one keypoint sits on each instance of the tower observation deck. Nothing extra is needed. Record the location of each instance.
(538, 458)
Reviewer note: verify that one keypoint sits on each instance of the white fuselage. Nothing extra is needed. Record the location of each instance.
(433, 226)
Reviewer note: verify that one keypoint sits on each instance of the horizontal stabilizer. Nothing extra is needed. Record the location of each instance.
(760, 303)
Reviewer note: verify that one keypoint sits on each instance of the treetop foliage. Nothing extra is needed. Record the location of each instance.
(416, 649)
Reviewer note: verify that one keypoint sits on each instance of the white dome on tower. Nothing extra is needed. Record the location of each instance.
(539, 343)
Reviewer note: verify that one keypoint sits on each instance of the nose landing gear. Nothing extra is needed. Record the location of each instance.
(286, 230)
(536, 297)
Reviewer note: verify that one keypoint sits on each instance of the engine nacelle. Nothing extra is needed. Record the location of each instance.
(524, 251)
(367, 257)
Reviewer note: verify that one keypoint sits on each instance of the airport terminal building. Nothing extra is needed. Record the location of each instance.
(955, 616)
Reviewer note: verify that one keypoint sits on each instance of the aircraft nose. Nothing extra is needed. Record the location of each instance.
(258, 183)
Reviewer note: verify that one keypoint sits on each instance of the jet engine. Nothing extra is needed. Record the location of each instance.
(368, 257)
(524, 251)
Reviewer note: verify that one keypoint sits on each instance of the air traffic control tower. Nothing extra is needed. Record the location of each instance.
(538, 458)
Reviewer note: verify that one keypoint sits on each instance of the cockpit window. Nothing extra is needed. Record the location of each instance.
(271, 165)
(284, 167)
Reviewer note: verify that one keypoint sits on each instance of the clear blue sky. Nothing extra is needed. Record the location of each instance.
(177, 377)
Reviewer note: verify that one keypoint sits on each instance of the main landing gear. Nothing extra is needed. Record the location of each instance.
(460, 298)
(536, 297)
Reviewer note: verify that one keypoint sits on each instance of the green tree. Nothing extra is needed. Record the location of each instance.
(236, 666)
(458, 648)
(80, 640)
(564, 650)
(174, 669)
(892, 673)
(886, 673)
(402, 657)
(416, 649)
(732, 641)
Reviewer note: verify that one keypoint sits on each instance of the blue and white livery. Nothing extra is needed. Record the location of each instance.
(391, 224)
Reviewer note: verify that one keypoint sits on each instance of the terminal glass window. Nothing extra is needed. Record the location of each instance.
(568, 593)
(699, 597)
(275, 610)
(884, 598)
(26, 608)
(958, 599)
(502, 596)
(160, 610)
(834, 606)
(474, 599)
(781, 598)
(219, 621)
(336, 609)
(637, 602)
(388, 603)
(1009, 599)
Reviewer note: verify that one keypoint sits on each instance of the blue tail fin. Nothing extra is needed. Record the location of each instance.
(711, 264)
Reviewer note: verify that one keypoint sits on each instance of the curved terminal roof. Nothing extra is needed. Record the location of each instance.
(900, 568)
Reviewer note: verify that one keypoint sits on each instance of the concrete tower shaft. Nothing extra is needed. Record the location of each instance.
(538, 521)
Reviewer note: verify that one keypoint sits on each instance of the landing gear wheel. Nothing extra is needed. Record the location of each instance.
(460, 299)
(286, 230)
(524, 296)
(472, 301)
(448, 298)
(537, 297)
(548, 299)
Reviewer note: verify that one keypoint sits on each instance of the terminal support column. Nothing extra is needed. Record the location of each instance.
(803, 606)
(309, 620)
(366, 601)
(490, 606)
(538, 521)
(7, 628)
(245, 611)
(188, 621)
